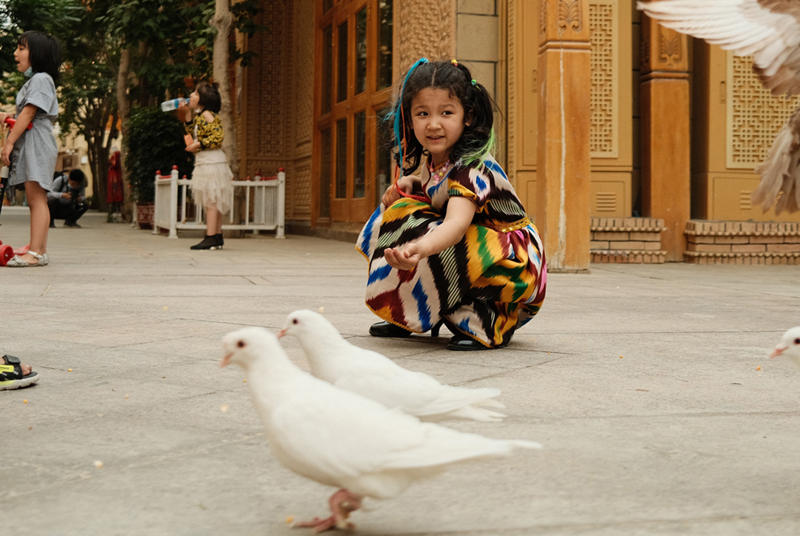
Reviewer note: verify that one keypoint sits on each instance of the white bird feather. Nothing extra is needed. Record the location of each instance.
(375, 376)
(342, 439)
(769, 31)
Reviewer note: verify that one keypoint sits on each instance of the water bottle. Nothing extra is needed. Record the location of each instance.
(172, 104)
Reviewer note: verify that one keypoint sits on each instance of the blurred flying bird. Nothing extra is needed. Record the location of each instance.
(769, 31)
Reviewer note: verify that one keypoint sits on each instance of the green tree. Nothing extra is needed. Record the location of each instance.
(118, 55)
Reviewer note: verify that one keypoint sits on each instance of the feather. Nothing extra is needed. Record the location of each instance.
(768, 30)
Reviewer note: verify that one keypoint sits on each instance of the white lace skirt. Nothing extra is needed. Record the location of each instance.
(211, 180)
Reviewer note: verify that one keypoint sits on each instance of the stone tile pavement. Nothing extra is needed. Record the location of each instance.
(649, 387)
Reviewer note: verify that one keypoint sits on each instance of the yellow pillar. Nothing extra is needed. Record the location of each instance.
(666, 153)
(562, 182)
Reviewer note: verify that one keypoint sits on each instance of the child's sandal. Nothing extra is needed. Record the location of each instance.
(11, 376)
(18, 262)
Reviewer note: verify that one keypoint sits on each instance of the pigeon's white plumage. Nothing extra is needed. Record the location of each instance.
(375, 376)
(339, 438)
(789, 345)
(769, 31)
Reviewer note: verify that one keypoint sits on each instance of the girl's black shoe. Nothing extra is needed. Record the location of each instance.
(220, 240)
(385, 329)
(462, 343)
(208, 242)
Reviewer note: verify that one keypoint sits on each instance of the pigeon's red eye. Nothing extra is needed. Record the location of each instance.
(295, 321)
(240, 344)
(797, 340)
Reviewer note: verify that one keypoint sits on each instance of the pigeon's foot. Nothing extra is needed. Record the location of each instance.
(342, 504)
(319, 525)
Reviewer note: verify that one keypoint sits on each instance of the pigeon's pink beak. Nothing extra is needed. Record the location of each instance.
(225, 361)
(777, 351)
(281, 333)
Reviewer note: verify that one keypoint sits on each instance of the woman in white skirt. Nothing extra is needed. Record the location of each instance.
(211, 178)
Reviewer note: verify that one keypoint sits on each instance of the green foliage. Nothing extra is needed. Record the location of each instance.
(169, 40)
(171, 44)
(55, 17)
(244, 20)
(154, 142)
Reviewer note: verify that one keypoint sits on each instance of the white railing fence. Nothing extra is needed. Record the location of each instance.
(263, 208)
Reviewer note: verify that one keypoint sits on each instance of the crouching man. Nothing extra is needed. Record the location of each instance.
(67, 199)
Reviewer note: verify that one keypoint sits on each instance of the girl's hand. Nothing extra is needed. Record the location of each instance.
(404, 257)
(184, 113)
(6, 155)
(404, 183)
(390, 195)
(193, 147)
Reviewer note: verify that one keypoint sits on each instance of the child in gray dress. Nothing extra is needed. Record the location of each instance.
(31, 154)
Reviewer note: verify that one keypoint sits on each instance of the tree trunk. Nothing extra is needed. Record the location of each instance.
(123, 111)
(222, 21)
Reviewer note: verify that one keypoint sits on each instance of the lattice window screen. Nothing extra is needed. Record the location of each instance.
(754, 115)
(604, 135)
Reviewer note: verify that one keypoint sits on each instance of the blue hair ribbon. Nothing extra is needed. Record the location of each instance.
(399, 106)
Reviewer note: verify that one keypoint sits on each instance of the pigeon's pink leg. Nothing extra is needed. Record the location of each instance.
(342, 503)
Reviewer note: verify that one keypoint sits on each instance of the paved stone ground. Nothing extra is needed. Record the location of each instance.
(649, 386)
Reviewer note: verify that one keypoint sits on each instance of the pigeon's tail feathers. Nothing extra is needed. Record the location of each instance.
(452, 400)
(476, 413)
(491, 403)
(443, 446)
(780, 173)
(524, 444)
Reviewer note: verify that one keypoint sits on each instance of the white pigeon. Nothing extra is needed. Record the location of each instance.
(789, 345)
(341, 439)
(768, 30)
(375, 376)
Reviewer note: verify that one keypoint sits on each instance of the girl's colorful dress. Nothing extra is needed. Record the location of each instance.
(486, 286)
(211, 177)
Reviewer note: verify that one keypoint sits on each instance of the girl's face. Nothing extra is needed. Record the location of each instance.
(438, 121)
(22, 57)
(194, 100)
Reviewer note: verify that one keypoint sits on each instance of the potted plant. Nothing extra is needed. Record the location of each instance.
(154, 142)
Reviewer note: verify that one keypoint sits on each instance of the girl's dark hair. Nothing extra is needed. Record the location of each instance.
(44, 53)
(476, 140)
(209, 96)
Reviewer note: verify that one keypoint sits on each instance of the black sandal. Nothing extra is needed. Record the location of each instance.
(11, 376)
(385, 329)
(461, 343)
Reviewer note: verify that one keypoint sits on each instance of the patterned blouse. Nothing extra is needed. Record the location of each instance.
(209, 134)
(486, 184)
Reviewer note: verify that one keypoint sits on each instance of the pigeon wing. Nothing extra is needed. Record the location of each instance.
(414, 392)
(768, 30)
(329, 435)
(780, 173)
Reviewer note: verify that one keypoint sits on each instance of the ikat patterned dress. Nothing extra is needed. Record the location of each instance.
(486, 286)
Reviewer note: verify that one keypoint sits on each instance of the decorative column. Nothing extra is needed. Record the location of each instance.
(666, 154)
(562, 182)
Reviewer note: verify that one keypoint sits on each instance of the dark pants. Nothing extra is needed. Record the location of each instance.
(66, 210)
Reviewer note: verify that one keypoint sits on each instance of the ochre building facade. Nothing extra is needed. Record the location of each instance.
(626, 141)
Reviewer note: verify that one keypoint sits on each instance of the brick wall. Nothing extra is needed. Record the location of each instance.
(627, 240)
(742, 242)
